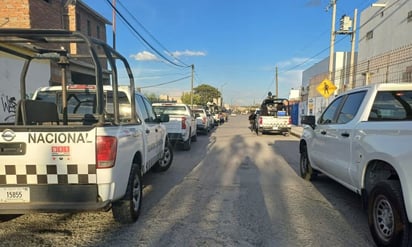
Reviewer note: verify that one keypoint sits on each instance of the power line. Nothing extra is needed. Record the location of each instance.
(147, 31)
(320, 52)
(142, 38)
(169, 82)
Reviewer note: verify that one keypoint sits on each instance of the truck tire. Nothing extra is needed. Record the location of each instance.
(387, 218)
(187, 144)
(306, 170)
(194, 137)
(166, 161)
(127, 209)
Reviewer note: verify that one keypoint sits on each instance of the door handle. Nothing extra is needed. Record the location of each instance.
(323, 132)
(345, 134)
(147, 131)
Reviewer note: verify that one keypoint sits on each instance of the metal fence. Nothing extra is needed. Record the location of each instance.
(391, 67)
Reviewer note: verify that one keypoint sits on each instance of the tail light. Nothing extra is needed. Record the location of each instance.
(204, 120)
(260, 120)
(183, 122)
(290, 120)
(106, 149)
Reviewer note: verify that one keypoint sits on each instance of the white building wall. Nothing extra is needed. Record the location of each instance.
(313, 103)
(10, 70)
(316, 69)
(390, 26)
(385, 43)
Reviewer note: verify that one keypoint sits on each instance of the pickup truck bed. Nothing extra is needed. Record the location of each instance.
(181, 127)
(274, 116)
(73, 146)
(280, 124)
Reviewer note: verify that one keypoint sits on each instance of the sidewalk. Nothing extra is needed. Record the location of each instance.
(296, 131)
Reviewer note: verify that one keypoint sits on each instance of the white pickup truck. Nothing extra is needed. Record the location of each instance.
(181, 127)
(77, 147)
(363, 140)
(274, 116)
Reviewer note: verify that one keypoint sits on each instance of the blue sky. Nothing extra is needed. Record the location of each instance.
(235, 46)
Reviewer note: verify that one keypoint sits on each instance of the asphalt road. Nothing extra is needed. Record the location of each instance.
(232, 188)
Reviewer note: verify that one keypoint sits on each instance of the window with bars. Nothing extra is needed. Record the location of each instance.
(78, 22)
(369, 35)
(98, 31)
(89, 28)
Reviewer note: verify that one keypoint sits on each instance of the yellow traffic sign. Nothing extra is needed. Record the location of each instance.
(326, 88)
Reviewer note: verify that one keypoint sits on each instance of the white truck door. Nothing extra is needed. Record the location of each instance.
(158, 130)
(334, 152)
(149, 132)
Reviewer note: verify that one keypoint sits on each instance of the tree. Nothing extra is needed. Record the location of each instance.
(186, 99)
(206, 93)
(152, 97)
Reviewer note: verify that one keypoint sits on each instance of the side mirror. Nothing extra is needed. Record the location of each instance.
(308, 120)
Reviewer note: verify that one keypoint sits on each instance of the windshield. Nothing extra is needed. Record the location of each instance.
(170, 110)
(81, 102)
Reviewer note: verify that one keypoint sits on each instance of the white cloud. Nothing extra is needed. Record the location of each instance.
(148, 56)
(296, 62)
(144, 56)
(188, 53)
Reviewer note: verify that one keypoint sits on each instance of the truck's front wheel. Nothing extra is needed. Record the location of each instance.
(127, 210)
(387, 218)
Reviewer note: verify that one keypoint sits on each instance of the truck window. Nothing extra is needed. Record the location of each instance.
(85, 102)
(328, 117)
(392, 106)
(171, 110)
(350, 107)
(151, 116)
(142, 108)
(77, 102)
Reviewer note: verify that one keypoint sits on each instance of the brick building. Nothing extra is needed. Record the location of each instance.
(73, 15)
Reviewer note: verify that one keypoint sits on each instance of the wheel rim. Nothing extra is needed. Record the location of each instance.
(166, 158)
(383, 217)
(136, 193)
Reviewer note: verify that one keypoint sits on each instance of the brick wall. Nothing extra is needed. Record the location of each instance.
(15, 14)
(31, 14)
(46, 14)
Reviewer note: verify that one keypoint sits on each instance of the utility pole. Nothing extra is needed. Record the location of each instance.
(276, 83)
(191, 86)
(348, 27)
(332, 38)
(114, 23)
(352, 53)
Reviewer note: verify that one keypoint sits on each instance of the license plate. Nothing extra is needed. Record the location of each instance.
(14, 194)
(275, 128)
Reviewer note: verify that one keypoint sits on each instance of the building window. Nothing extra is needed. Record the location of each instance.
(78, 22)
(89, 28)
(98, 31)
(369, 35)
(409, 16)
(407, 76)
